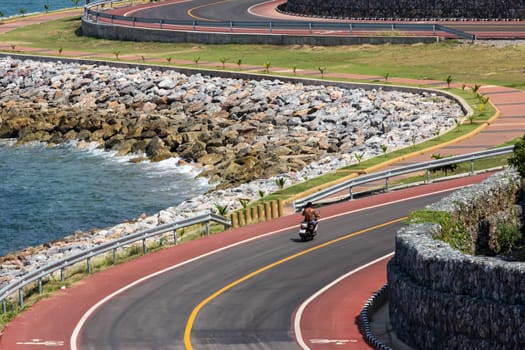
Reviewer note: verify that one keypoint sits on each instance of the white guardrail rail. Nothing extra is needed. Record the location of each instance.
(38, 275)
(413, 168)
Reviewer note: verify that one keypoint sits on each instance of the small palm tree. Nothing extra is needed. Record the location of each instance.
(280, 182)
(60, 49)
(116, 53)
(168, 59)
(22, 12)
(196, 60)
(294, 69)
(358, 157)
(475, 88)
(384, 148)
(449, 80)
(385, 76)
(322, 70)
(244, 202)
(239, 63)
(222, 210)
(223, 61)
(458, 123)
(262, 195)
(143, 59)
(46, 8)
(267, 67)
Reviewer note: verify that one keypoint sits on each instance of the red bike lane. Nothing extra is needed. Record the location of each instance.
(52, 321)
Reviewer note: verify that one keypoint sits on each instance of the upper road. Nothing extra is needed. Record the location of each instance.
(258, 11)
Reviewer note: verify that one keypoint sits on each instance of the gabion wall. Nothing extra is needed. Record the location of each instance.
(440, 298)
(404, 9)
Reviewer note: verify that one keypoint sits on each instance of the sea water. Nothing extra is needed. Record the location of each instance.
(16, 7)
(47, 193)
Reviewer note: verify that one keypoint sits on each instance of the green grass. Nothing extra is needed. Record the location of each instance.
(464, 62)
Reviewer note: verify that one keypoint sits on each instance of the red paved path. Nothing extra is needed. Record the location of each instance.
(53, 319)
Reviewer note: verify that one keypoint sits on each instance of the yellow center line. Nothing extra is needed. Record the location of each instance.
(193, 315)
(190, 11)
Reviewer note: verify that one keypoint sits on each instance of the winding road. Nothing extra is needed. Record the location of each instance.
(260, 11)
(241, 289)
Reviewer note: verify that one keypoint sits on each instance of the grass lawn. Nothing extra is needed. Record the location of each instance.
(464, 62)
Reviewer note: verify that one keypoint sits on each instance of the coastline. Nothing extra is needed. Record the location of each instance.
(291, 124)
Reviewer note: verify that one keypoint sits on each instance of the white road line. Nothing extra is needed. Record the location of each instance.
(299, 314)
(84, 318)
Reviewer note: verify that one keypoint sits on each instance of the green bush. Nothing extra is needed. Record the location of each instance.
(517, 160)
(452, 232)
(508, 235)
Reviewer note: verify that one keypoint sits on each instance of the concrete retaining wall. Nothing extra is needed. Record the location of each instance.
(440, 298)
(112, 32)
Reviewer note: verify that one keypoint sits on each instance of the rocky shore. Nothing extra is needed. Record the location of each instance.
(241, 134)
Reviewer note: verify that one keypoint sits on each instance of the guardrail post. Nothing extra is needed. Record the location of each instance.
(280, 205)
(434, 29)
(386, 184)
(161, 23)
(241, 219)
(62, 274)
(427, 180)
(260, 212)
(231, 26)
(207, 228)
(4, 306)
(114, 256)
(144, 248)
(275, 210)
(96, 18)
(255, 217)
(40, 285)
(270, 26)
(248, 214)
(112, 18)
(134, 20)
(472, 167)
(21, 298)
(175, 236)
(351, 193)
(193, 26)
(350, 28)
(268, 211)
(88, 261)
(310, 27)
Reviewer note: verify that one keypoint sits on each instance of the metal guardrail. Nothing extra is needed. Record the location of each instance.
(387, 174)
(39, 274)
(96, 11)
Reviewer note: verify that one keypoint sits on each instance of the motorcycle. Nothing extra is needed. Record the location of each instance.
(308, 230)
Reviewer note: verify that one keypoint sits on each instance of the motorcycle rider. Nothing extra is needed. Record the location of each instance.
(310, 216)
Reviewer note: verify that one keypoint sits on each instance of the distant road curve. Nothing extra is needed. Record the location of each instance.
(259, 10)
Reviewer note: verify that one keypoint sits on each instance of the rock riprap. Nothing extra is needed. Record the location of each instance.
(238, 130)
(241, 133)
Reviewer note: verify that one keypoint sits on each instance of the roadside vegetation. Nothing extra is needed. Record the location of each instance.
(449, 61)
(456, 61)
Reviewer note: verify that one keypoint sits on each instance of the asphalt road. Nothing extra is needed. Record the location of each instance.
(254, 313)
(203, 10)
(244, 11)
